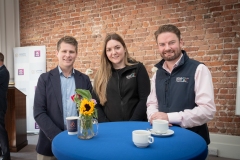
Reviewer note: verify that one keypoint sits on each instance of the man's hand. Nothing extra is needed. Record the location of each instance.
(159, 115)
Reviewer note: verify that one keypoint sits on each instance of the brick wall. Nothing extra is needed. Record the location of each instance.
(210, 29)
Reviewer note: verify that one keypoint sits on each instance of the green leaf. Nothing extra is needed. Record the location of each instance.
(95, 113)
(84, 93)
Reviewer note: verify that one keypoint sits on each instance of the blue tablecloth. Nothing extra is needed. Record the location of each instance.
(114, 141)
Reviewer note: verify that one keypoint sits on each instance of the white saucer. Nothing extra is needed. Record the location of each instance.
(169, 133)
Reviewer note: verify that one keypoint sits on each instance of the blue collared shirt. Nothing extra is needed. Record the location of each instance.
(68, 89)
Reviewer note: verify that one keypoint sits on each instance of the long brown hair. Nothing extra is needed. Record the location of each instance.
(105, 70)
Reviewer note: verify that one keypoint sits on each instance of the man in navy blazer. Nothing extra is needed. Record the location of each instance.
(4, 80)
(52, 102)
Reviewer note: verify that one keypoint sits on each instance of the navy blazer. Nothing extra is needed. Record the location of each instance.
(48, 108)
(4, 80)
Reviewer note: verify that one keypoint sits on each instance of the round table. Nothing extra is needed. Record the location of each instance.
(114, 141)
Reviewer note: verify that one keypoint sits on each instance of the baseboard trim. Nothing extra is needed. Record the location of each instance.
(227, 146)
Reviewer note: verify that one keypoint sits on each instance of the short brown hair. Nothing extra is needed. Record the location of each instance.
(1, 57)
(68, 39)
(168, 28)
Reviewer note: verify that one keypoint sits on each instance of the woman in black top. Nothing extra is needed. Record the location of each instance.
(121, 85)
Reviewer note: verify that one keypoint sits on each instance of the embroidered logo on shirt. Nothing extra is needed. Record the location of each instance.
(131, 75)
(182, 79)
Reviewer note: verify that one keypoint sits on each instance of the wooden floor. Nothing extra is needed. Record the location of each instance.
(29, 152)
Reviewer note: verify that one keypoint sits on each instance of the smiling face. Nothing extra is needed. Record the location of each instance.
(66, 55)
(169, 46)
(115, 53)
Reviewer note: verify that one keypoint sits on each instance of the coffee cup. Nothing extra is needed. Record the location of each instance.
(72, 125)
(142, 138)
(160, 126)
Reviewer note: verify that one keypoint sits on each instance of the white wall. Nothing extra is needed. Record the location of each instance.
(9, 32)
(227, 146)
(238, 86)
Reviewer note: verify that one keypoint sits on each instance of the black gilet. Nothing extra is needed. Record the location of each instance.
(175, 91)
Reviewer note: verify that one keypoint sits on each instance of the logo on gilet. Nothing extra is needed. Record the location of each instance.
(182, 79)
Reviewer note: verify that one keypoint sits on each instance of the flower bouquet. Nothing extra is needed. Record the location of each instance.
(87, 113)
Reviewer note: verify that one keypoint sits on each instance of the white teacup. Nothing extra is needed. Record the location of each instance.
(72, 125)
(142, 138)
(160, 126)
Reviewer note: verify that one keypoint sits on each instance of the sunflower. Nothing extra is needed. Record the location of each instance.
(86, 107)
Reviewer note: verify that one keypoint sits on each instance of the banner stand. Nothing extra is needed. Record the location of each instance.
(29, 64)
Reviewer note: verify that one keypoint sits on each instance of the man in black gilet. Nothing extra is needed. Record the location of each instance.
(182, 90)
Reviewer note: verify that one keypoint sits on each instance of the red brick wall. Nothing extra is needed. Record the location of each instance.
(210, 29)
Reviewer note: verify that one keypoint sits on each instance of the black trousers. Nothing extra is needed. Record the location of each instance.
(4, 136)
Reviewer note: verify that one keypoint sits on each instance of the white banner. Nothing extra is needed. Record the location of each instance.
(29, 64)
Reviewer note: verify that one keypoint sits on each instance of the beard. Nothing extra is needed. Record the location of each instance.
(175, 56)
